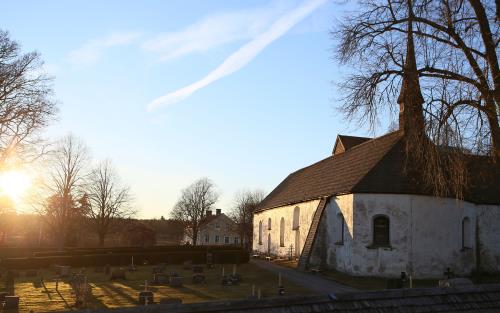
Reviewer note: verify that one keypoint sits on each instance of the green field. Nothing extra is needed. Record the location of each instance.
(38, 297)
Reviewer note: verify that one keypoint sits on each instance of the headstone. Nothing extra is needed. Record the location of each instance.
(146, 297)
(197, 269)
(118, 273)
(455, 282)
(157, 269)
(226, 281)
(236, 278)
(175, 281)
(160, 279)
(11, 303)
(198, 278)
(170, 301)
(2, 296)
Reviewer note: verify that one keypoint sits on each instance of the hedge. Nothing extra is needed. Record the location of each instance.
(196, 256)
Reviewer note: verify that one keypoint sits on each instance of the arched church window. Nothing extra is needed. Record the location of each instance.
(296, 218)
(269, 224)
(340, 231)
(381, 231)
(466, 233)
(260, 232)
(282, 232)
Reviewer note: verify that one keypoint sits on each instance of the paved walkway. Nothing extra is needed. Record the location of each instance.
(316, 283)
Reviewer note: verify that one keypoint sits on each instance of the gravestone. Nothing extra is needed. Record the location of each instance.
(175, 281)
(118, 273)
(160, 279)
(198, 278)
(455, 282)
(11, 303)
(236, 277)
(170, 301)
(158, 269)
(146, 297)
(2, 296)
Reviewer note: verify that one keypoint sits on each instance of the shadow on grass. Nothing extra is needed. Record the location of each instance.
(110, 289)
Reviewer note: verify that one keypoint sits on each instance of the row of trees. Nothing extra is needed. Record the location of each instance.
(76, 192)
(202, 195)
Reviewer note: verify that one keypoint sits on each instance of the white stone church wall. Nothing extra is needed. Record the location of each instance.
(307, 210)
(489, 233)
(425, 235)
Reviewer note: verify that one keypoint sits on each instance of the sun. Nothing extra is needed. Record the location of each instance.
(14, 184)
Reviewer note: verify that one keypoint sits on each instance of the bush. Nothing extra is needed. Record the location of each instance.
(123, 256)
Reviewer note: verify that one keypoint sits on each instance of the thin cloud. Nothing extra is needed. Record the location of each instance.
(242, 56)
(91, 52)
(213, 31)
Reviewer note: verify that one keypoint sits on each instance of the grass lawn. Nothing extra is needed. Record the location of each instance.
(105, 293)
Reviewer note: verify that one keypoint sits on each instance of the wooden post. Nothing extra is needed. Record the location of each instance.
(279, 279)
(411, 281)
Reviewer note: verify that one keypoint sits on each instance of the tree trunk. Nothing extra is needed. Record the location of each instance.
(195, 235)
(495, 130)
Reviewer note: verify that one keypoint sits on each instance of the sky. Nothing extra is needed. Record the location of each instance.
(241, 92)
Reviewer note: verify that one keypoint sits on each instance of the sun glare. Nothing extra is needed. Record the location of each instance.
(14, 184)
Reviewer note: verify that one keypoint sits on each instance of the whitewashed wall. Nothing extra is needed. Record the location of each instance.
(489, 233)
(307, 210)
(425, 235)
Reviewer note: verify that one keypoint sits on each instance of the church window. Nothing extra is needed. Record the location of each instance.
(207, 237)
(226, 240)
(282, 232)
(236, 240)
(217, 238)
(340, 231)
(269, 224)
(381, 231)
(466, 233)
(296, 218)
(260, 232)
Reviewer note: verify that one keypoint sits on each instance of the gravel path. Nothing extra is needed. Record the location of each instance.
(315, 283)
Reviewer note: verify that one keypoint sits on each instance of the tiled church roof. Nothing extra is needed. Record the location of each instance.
(374, 166)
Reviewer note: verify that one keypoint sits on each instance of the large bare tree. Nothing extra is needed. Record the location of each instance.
(65, 187)
(191, 207)
(456, 44)
(245, 202)
(26, 104)
(106, 200)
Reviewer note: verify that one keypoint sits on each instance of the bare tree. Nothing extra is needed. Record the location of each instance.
(191, 207)
(455, 44)
(65, 187)
(106, 201)
(245, 202)
(25, 102)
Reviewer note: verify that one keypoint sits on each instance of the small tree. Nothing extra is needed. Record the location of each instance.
(195, 200)
(65, 187)
(106, 200)
(245, 203)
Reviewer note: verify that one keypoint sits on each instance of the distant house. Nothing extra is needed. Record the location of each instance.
(216, 229)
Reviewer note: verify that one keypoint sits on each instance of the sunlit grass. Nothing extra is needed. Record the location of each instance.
(124, 293)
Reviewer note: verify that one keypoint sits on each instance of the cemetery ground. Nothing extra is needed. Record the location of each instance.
(41, 297)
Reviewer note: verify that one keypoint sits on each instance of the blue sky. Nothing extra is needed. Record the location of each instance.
(262, 104)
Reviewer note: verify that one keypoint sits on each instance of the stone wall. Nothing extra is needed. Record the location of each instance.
(293, 238)
(489, 236)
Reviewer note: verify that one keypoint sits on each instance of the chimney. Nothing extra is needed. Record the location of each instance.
(209, 213)
(217, 212)
(410, 100)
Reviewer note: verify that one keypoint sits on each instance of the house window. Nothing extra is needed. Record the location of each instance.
(217, 226)
(226, 240)
(282, 232)
(260, 232)
(296, 218)
(236, 240)
(466, 233)
(207, 238)
(340, 233)
(381, 231)
(216, 238)
(269, 224)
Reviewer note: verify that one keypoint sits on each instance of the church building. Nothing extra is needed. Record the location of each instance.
(359, 212)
